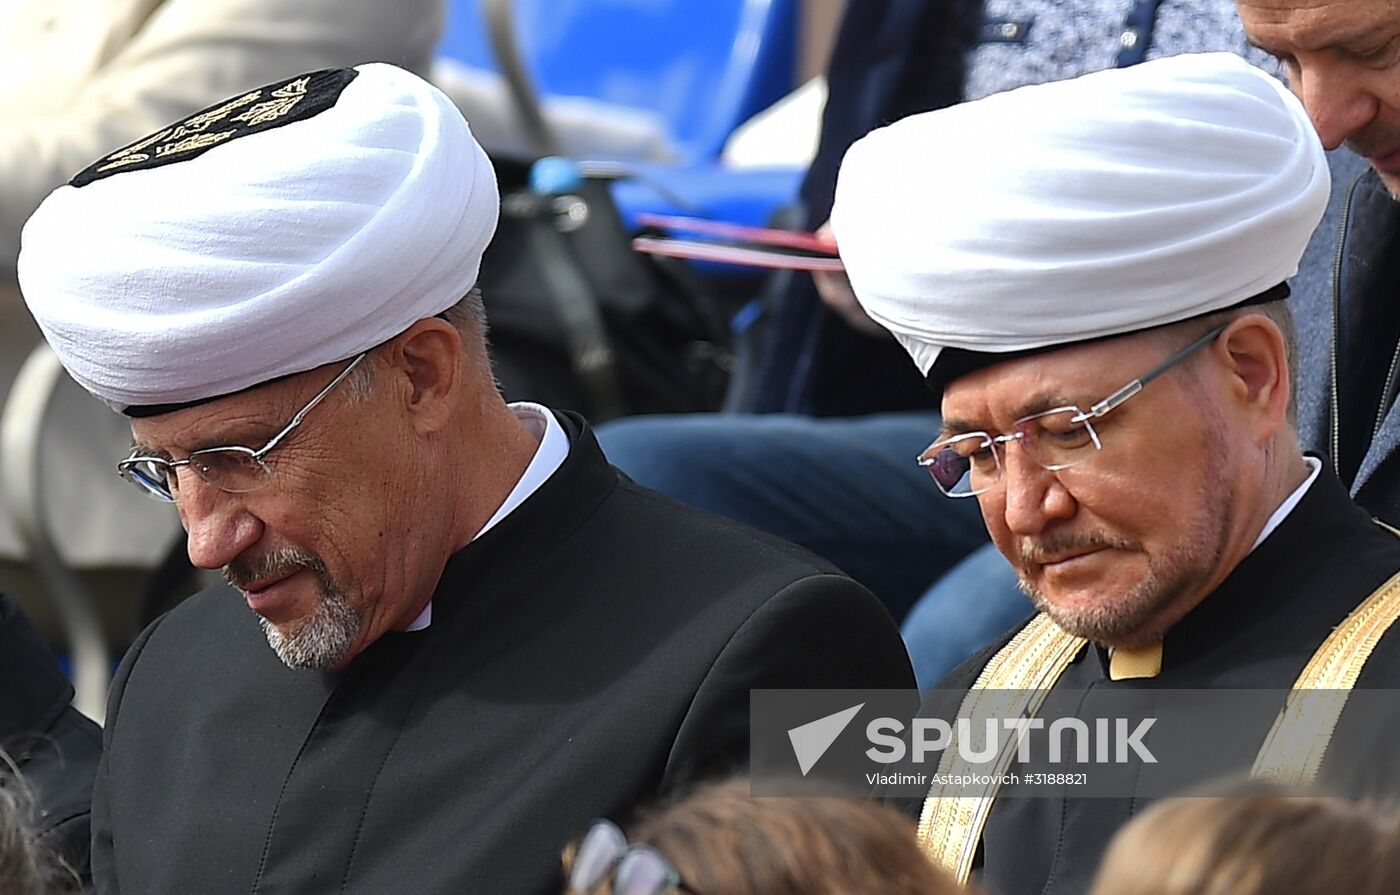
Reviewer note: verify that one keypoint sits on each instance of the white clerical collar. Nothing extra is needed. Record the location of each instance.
(549, 456)
(1315, 467)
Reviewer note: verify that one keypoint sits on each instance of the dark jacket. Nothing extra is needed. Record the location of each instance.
(1347, 308)
(892, 58)
(55, 747)
(1255, 632)
(593, 650)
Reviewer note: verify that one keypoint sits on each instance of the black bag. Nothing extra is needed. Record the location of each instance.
(580, 320)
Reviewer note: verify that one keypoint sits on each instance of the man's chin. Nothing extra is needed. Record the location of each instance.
(1105, 630)
(303, 647)
(1085, 613)
(320, 640)
(1387, 168)
(288, 603)
(1391, 182)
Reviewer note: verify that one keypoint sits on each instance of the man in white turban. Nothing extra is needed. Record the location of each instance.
(1093, 272)
(481, 635)
(78, 79)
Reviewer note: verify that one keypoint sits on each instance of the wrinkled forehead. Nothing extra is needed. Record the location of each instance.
(1282, 26)
(996, 395)
(243, 418)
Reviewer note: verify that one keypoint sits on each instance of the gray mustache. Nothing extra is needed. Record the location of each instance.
(1038, 552)
(278, 563)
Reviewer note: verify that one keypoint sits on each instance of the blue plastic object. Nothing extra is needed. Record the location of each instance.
(701, 67)
(553, 175)
(748, 196)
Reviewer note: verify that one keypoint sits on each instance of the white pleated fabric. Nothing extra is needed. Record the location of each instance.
(270, 254)
(1101, 205)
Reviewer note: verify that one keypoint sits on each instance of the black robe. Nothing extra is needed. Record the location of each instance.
(1256, 631)
(55, 747)
(595, 648)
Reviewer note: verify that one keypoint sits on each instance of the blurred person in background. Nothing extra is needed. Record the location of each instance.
(1343, 62)
(720, 840)
(27, 867)
(49, 742)
(1255, 839)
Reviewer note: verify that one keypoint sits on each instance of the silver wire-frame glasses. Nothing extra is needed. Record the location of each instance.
(234, 468)
(967, 464)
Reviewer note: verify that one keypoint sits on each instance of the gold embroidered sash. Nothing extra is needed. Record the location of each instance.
(1298, 741)
(1015, 683)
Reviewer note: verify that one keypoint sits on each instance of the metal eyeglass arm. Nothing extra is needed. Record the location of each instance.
(1132, 388)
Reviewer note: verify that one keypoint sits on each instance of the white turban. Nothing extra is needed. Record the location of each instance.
(1101, 205)
(284, 229)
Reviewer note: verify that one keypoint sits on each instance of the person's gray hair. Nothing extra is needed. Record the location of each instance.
(26, 868)
(467, 316)
(1277, 311)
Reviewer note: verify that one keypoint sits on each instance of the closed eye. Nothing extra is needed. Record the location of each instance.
(1378, 57)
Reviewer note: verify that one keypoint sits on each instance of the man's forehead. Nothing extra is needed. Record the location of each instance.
(1312, 25)
(233, 419)
(1025, 385)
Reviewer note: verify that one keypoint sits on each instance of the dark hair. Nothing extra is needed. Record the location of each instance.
(724, 841)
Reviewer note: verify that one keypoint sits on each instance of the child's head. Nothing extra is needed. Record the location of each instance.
(1256, 840)
(723, 841)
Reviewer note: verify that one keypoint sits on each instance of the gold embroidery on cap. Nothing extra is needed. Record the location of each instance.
(126, 160)
(284, 100)
(293, 88)
(135, 152)
(193, 133)
(189, 144)
(203, 120)
(253, 111)
(138, 148)
(184, 137)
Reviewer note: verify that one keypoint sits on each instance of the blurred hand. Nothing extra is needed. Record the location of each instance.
(835, 290)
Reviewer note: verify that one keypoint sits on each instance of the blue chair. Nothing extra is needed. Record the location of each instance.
(696, 69)
(700, 68)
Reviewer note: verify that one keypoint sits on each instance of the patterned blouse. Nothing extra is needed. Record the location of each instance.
(1035, 41)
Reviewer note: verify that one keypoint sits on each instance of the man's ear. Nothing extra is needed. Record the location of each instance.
(428, 358)
(1256, 361)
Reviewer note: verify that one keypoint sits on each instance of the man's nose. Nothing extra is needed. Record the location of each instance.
(1034, 495)
(219, 525)
(1336, 100)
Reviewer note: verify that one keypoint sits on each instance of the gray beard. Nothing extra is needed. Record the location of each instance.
(320, 641)
(1127, 619)
(323, 639)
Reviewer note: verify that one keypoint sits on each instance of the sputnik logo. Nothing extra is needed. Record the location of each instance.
(811, 740)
